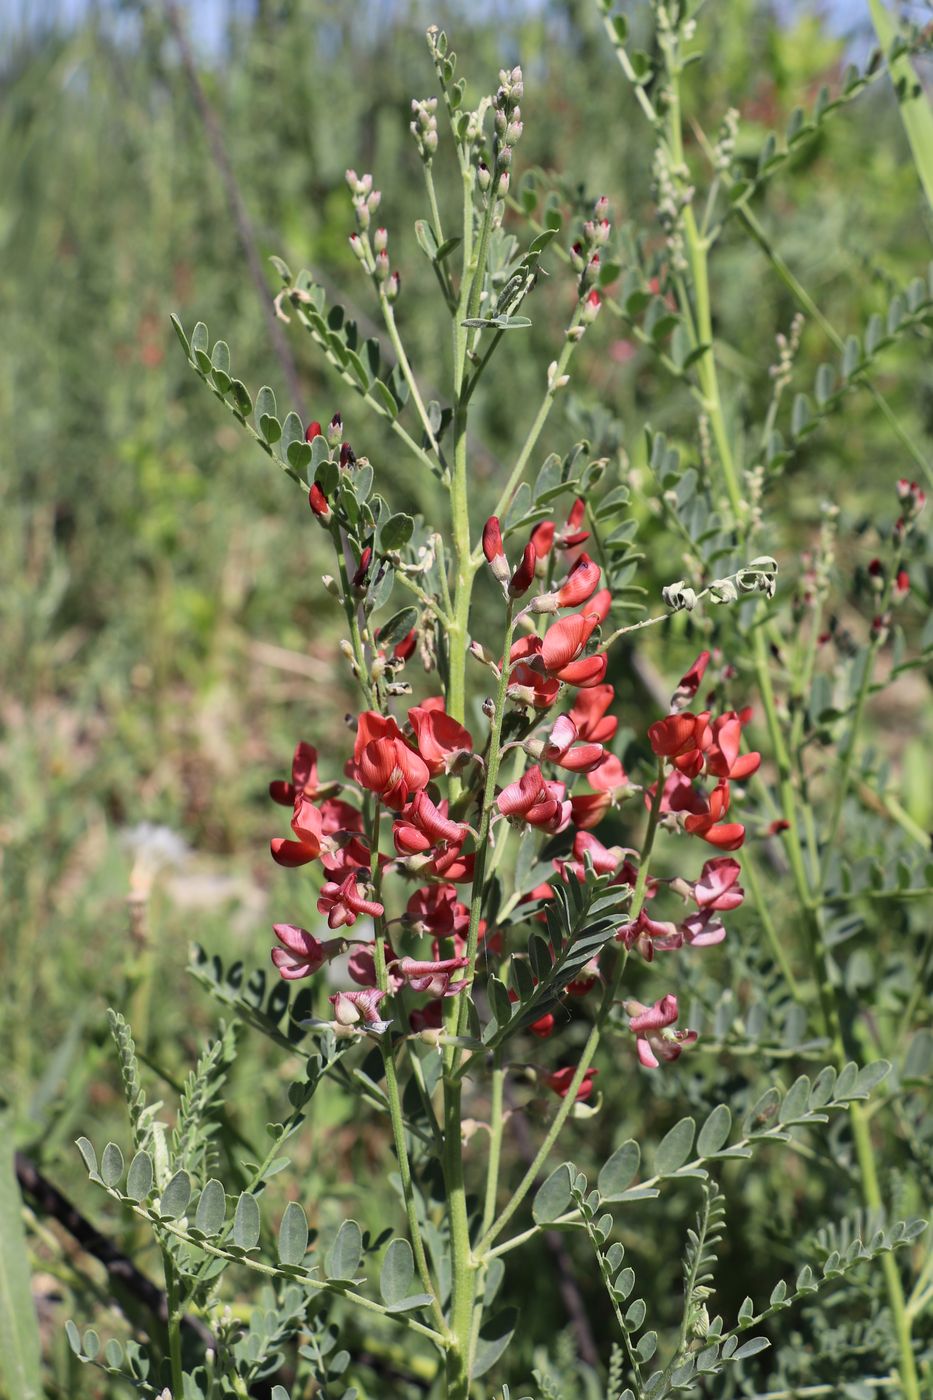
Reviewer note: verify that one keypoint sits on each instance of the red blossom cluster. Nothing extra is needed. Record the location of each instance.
(421, 775)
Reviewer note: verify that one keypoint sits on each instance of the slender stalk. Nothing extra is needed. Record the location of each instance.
(396, 1115)
(388, 315)
(489, 792)
(750, 871)
(541, 417)
(495, 1142)
(592, 1042)
(173, 1322)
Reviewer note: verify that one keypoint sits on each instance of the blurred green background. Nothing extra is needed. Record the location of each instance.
(164, 635)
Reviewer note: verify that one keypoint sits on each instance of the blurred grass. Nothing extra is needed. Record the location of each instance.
(165, 637)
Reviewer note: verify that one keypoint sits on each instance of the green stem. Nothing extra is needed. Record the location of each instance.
(872, 1195)
(174, 1322)
(388, 315)
(541, 417)
(750, 871)
(592, 1042)
(396, 1115)
(489, 792)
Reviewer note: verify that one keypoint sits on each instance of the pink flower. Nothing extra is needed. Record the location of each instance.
(655, 1041)
(717, 887)
(301, 953)
(433, 977)
(343, 903)
(359, 1010)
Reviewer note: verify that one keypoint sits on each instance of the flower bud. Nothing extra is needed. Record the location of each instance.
(334, 430)
(901, 586)
(356, 243)
(523, 576)
(381, 268)
(312, 431)
(502, 187)
(591, 307)
(483, 176)
(393, 286)
(380, 240)
(495, 554)
(876, 576)
(318, 503)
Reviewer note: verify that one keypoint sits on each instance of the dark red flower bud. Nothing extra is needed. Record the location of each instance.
(359, 578)
(318, 503)
(313, 430)
(347, 455)
(523, 576)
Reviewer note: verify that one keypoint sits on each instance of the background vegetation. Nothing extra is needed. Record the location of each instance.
(164, 640)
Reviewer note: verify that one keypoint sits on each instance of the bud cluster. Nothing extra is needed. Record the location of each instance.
(372, 253)
(788, 346)
(508, 128)
(672, 194)
(423, 127)
(724, 150)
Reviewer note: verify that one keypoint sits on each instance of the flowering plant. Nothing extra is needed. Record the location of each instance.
(489, 931)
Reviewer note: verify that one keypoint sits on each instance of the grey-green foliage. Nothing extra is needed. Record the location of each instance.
(706, 1346)
(196, 1123)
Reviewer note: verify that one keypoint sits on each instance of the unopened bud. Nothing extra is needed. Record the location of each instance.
(381, 268)
(591, 307)
(380, 240)
(318, 503)
(312, 431)
(483, 176)
(356, 243)
(332, 586)
(335, 430)
(393, 287)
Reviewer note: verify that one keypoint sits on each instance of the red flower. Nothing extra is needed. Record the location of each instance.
(495, 554)
(307, 824)
(589, 714)
(384, 763)
(422, 825)
(542, 537)
(313, 430)
(560, 748)
(564, 641)
(535, 801)
(722, 757)
(359, 1010)
(579, 585)
(440, 739)
(436, 910)
(678, 736)
(729, 835)
(304, 778)
(559, 1080)
(527, 682)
